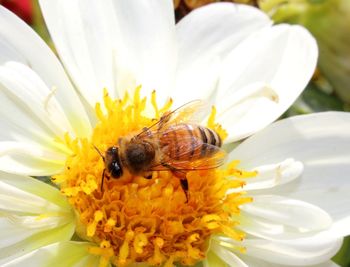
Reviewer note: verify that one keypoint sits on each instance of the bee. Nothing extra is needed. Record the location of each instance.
(173, 143)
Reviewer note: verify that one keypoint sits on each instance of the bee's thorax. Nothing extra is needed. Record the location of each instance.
(139, 156)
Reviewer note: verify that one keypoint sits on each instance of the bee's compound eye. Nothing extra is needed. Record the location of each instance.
(115, 170)
(112, 151)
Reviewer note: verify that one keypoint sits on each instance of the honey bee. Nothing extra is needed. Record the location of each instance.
(173, 144)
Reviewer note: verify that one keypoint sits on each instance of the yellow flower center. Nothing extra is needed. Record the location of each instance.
(134, 219)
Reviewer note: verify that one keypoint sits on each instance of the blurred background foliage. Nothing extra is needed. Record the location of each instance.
(327, 20)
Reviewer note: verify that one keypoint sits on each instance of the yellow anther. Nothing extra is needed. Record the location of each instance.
(157, 257)
(105, 251)
(232, 246)
(192, 238)
(105, 244)
(104, 262)
(194, 253)
(243, 250)
(99, 113)
(154, 103)
(232, 233)
(91, 228)
(168, 190)
(139, 242)
(210, 217)
(123, 253)
(173, 227)
(58, 178)
(211, 123)
(236, 184)
(109, 225)
(90, 185)
(71, 191)
(166, 106)
(48, 215)
(159, 242)
(233, 171)
(98, 215)
(169, 262)
(233, 164)
(212, 225)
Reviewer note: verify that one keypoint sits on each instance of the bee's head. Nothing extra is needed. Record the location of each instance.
(112, 162)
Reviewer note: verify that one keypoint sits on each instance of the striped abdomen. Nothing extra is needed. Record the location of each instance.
(188, 141)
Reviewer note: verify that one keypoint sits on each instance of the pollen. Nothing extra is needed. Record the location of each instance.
(132, 219)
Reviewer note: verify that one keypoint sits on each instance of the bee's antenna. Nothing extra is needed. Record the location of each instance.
(99, 152)
(104, 170)
(103, 178)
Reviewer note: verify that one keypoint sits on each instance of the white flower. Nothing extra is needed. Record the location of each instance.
(229, 55)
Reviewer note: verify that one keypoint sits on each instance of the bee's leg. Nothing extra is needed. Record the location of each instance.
(182, 176)
(147, 131)
(148, 175)
(184, 185)
(103, 177)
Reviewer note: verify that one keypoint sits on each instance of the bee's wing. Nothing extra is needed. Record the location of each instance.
(191, 154)
(215, 159)
(193, 112)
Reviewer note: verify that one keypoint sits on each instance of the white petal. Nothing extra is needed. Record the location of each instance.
(30, 94)
(296, 252)
(35, 111)
(205, 37)
(32, 214)
(254, 262)
(227, 256)
(279, 218)
(19, 43)
(149, 41)
(114, 44)
(11, 252)
(212, 260)
(68, 254)
(300, 253)
(262, 77)
(322, 143)
(32, 120)
(15, 228)
(18, 201)
(44, 193)
(30, 159)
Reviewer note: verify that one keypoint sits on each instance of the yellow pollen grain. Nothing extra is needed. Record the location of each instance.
(134, 219)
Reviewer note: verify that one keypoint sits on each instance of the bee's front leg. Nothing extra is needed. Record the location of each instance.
(148, 175)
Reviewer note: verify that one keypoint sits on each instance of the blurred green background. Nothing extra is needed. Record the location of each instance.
(327, 20)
